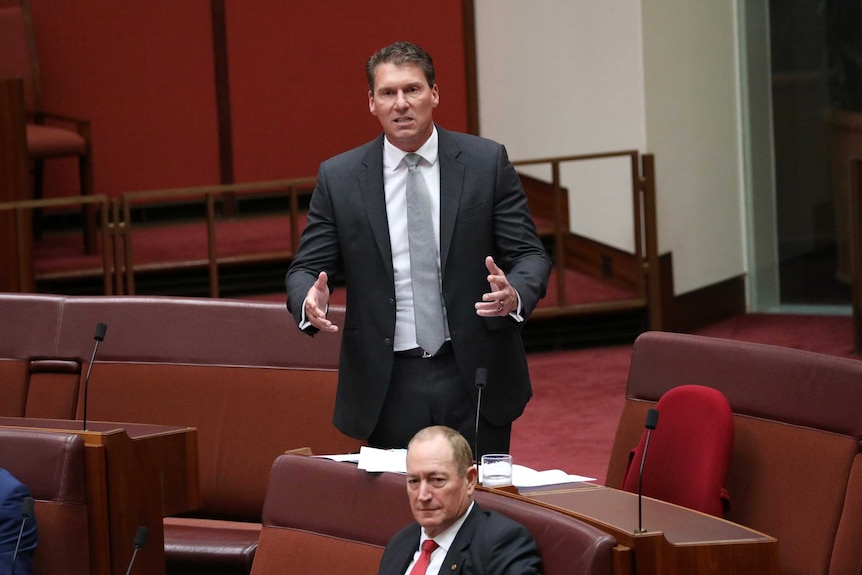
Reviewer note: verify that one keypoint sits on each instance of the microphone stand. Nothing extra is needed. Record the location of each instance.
(476, 447)
(651, 422)
(140, 539)
(101, 329)
(26, 512)
(481, 378)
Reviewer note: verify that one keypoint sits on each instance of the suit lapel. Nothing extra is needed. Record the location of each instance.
(451, 186)
(453, 563)
(374, 199)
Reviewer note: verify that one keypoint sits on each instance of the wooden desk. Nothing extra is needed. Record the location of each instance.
(136, 475)
(678, 541)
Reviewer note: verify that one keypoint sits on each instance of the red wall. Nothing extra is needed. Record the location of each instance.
(143, 73)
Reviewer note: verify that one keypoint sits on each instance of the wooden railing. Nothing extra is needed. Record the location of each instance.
(647, 280)
(23, 211)
(209, 195)
(118, 264)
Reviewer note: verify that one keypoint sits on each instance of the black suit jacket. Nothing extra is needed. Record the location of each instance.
(488, 543)
(483, 212)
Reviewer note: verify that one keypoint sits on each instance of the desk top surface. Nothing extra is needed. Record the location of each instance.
(133, 430)
(619, 511)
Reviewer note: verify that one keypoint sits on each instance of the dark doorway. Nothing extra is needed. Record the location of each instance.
(811, 162)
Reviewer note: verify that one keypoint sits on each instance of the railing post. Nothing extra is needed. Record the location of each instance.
(128, 261)
(15, 245)
(856, 251)
(212, 252)
(559, 236)
(654, 293)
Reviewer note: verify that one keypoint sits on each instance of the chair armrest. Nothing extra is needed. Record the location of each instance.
(82, 126)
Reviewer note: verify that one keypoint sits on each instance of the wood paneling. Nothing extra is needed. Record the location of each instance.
(147, 74)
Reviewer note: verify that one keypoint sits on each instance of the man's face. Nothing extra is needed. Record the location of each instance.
(403, 102)
(438, 497)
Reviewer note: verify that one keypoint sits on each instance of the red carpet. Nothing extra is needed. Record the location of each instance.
(571, 420)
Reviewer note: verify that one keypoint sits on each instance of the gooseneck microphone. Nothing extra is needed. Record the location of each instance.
(651, 422)
(99, 336)
(140, 539)
(26, 513)
(481, 380)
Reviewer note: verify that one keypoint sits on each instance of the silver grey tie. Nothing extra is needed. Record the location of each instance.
(427, 300)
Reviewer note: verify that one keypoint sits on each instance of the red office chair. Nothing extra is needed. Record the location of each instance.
(689, 451)
(48, 135)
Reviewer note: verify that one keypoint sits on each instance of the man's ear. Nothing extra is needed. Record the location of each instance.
(472, 477)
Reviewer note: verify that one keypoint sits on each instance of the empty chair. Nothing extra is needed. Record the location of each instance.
(48, 135)
(689, 451)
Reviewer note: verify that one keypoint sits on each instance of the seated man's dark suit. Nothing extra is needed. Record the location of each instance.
(488, 543)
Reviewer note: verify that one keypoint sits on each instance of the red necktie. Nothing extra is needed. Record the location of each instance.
(428, 547)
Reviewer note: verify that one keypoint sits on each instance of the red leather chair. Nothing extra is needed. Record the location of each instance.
(689, 451)
(48, 135)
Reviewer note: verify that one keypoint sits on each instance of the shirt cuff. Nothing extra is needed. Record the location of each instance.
(515, 315)
(305, 324)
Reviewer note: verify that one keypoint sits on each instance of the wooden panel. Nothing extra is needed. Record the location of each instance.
(677, 541)
(298, 88)
(142, 72)
(17, 273)
(135, 474)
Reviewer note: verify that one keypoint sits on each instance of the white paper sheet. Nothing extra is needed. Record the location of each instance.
(375, 460)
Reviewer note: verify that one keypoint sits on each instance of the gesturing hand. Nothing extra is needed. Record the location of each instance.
(316, 302)
(502, 299)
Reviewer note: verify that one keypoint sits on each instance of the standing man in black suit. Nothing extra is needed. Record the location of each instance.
(456, 534)
(488, 269)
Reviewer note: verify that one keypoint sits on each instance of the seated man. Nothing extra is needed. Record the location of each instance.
(12, 495)
(451, 533)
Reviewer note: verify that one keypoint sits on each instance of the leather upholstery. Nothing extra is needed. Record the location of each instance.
(795, 468)
(52, 467)
(219, 365)
(207, 547)
(319, 511)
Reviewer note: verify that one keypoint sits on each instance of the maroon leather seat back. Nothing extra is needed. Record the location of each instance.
(318, 511)
(796, 467)
(51, 465)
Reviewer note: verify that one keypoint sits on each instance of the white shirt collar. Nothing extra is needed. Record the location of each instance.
(447, 537)
(392, 156)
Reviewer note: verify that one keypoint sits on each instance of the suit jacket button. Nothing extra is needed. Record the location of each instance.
(387, 342)
(392, 301)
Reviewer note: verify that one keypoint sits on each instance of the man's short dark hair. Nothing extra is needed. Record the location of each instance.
(401, 53)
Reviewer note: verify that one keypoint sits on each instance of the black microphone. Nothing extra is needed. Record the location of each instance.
(99, 336)
(140, 539)
(26, 513)
(651, 422)
(481, 380)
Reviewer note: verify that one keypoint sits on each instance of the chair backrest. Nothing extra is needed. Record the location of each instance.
(18, 49)
(323, 516)
(52, 466)
(689, 450)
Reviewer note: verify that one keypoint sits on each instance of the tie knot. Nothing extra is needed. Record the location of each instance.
(412, 160)
(428, 546)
